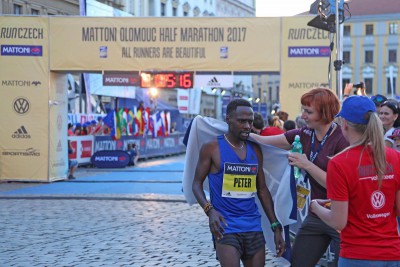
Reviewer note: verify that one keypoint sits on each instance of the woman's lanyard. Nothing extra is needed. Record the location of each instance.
(313, 155)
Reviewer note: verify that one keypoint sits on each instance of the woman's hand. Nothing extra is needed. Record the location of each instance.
(299, 160)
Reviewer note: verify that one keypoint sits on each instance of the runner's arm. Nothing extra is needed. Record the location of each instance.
(204, 166)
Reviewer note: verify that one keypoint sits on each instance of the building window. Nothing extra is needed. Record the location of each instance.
(393, 28)
(346, 57)
(185, 13)
(35, 12)
(174, 11)
(369, 29)
(392, 56)
(17, 9)
(368, 85)
(346, 30)
(390, 89)
(369, 56)
(162, 9)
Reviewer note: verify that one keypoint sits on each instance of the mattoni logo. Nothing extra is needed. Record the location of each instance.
(308, 51)
(22, 50)
(21, 133)
(21, 105)
(213, 82)
(19, 83)
(377, 199)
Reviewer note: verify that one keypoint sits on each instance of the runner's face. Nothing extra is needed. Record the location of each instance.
(310, 116)
(241, 122)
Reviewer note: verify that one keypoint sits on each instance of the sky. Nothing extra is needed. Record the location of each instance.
(281, 8)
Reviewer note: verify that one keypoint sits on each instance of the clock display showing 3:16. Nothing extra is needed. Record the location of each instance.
(166, 80)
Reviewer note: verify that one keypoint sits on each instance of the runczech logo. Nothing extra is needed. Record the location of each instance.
(377, 199)
(21, 133)
(21, 105)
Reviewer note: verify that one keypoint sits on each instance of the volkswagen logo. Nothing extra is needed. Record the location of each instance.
(21, 105)
(377, 199)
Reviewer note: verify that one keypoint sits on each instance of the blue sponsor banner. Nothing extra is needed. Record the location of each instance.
(22, 50)
(308, 51)
(110, 159)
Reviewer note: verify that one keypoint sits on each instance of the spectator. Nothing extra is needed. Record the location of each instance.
(300, 123)
(72, 163)
(133, 153)
(363, 184)
(258, 123)
(389, 115)
(70, 132)
(396, 139)
(289, 125)
(378, 101)
(321, 139)
(78, 129)
(283, 116)
(273, 128)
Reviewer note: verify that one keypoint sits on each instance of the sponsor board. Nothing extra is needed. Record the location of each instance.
(110, 159)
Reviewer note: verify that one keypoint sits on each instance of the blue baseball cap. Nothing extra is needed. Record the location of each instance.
(355, 108)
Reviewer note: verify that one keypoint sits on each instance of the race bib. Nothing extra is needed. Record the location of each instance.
(302, 194)
(239, 180)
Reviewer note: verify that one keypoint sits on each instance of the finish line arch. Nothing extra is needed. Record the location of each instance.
(37, 52)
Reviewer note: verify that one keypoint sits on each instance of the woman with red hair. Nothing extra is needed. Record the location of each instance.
(321, 138)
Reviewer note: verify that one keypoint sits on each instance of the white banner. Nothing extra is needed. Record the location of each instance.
(194, 101)
(96, 87)
(183, 100)
(225, 81)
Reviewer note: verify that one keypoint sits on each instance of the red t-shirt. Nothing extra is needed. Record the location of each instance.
(333, 145)
(371, 231)
(271, 130)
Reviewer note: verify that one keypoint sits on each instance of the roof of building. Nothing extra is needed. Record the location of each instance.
(371, 7)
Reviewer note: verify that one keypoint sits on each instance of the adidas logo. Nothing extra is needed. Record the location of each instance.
(21, 133)
(213, 82)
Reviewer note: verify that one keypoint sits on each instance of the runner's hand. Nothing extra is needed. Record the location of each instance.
(279, 243)
(217, 224)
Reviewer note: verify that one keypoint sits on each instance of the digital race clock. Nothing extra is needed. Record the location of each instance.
(166, 80)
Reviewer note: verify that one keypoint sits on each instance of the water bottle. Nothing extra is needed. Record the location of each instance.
(297, 147)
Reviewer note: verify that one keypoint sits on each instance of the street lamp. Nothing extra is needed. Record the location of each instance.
(153, 92)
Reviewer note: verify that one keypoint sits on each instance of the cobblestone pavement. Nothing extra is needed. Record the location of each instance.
(105, 229)
(51, 232)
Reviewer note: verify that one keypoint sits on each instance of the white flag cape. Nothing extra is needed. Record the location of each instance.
(275, 166)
